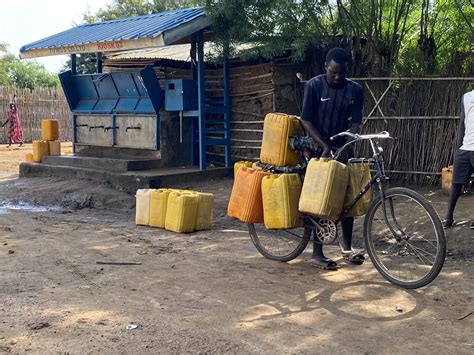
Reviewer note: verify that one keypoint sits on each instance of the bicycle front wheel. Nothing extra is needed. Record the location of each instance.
(279, 245)
(404, 238)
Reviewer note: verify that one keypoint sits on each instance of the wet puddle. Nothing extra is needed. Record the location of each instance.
(8, 206)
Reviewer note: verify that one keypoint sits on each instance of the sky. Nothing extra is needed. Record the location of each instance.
(26, 21)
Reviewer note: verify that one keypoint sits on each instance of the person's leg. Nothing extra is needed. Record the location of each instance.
(347, 224)
(461, 174)
(354, 257)
(318, 258)
(453, 199)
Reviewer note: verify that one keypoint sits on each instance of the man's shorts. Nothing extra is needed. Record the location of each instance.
(463, 166)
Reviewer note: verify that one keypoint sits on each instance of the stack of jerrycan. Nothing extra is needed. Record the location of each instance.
(49, 143)
(181, 211)
(281, 192)
(261, 197)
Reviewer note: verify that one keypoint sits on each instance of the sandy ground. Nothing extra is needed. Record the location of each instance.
(206, 292)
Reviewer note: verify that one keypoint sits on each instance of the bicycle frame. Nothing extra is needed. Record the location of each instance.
(378, 179)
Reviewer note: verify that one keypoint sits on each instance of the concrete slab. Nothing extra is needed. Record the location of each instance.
(128, 181)
(110, 164)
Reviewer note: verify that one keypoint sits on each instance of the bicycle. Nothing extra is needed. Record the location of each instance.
(403, 234)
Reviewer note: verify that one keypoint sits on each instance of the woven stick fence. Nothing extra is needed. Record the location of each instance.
(33, 106)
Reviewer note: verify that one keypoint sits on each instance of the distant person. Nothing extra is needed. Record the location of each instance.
(15, 133)
(333, 104)
(463, 156)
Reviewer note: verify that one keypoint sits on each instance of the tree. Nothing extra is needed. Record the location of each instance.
(25, 74)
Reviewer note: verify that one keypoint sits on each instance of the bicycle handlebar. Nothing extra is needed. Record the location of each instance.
(355, 136)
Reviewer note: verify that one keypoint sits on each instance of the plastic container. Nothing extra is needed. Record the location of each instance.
(245, 201)
(280, 195)
(275, 150)
(40, 149)
(54, 147)
(446, 179)
(142, 207)
(29, 158)
(181, 212)
(255, 166)
(359, 176)
(49, 130)
(158, 204)
(324, 188)
(240, 164)
(205, 211)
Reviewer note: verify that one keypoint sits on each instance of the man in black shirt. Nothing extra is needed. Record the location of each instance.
(333, 104)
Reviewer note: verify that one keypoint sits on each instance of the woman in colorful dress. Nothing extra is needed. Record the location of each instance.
(15, 133)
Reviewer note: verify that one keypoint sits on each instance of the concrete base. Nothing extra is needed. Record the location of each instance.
(128, 181)
(109, 164)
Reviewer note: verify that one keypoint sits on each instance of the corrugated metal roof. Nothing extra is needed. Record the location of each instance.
(175, 52)
(134, 28)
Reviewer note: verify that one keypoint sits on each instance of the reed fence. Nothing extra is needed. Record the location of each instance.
(33, 106)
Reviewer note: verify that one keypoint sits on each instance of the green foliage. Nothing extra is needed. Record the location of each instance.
(129, 8)
(390, 37)
(22, 73)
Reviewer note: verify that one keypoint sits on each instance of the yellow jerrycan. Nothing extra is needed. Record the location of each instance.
(359, 176)
(205, 211)
(142, 207)
(181, 212)
(40, 150)
(280, 195)
(158, 204)
(324, 188)
(49, 130)
(241, 164)
(275, 149)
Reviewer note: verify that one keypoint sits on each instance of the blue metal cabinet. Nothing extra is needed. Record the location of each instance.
(180, 95)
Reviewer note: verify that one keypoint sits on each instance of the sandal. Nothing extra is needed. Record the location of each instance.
(353, 257)
(324, 264)
(447, 223)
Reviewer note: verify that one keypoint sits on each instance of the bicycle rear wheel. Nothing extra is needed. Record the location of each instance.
(409, 247)
(279, 245)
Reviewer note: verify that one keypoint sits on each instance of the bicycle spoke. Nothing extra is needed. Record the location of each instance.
(414, 259)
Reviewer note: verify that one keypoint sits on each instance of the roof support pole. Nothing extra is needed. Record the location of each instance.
(192, 54)
(98, 62)
(227, 111)
(201, 101)
(73, 64)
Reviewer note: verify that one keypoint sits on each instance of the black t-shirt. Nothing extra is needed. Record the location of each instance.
(331, 109)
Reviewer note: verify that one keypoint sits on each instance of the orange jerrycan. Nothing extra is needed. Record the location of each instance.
(446, 179)
(324, 188)
(245, 201)
(280, 195)
(54, 147)
(275, 150)
(241, 164)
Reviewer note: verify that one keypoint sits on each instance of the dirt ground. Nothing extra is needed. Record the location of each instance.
(206, 292)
